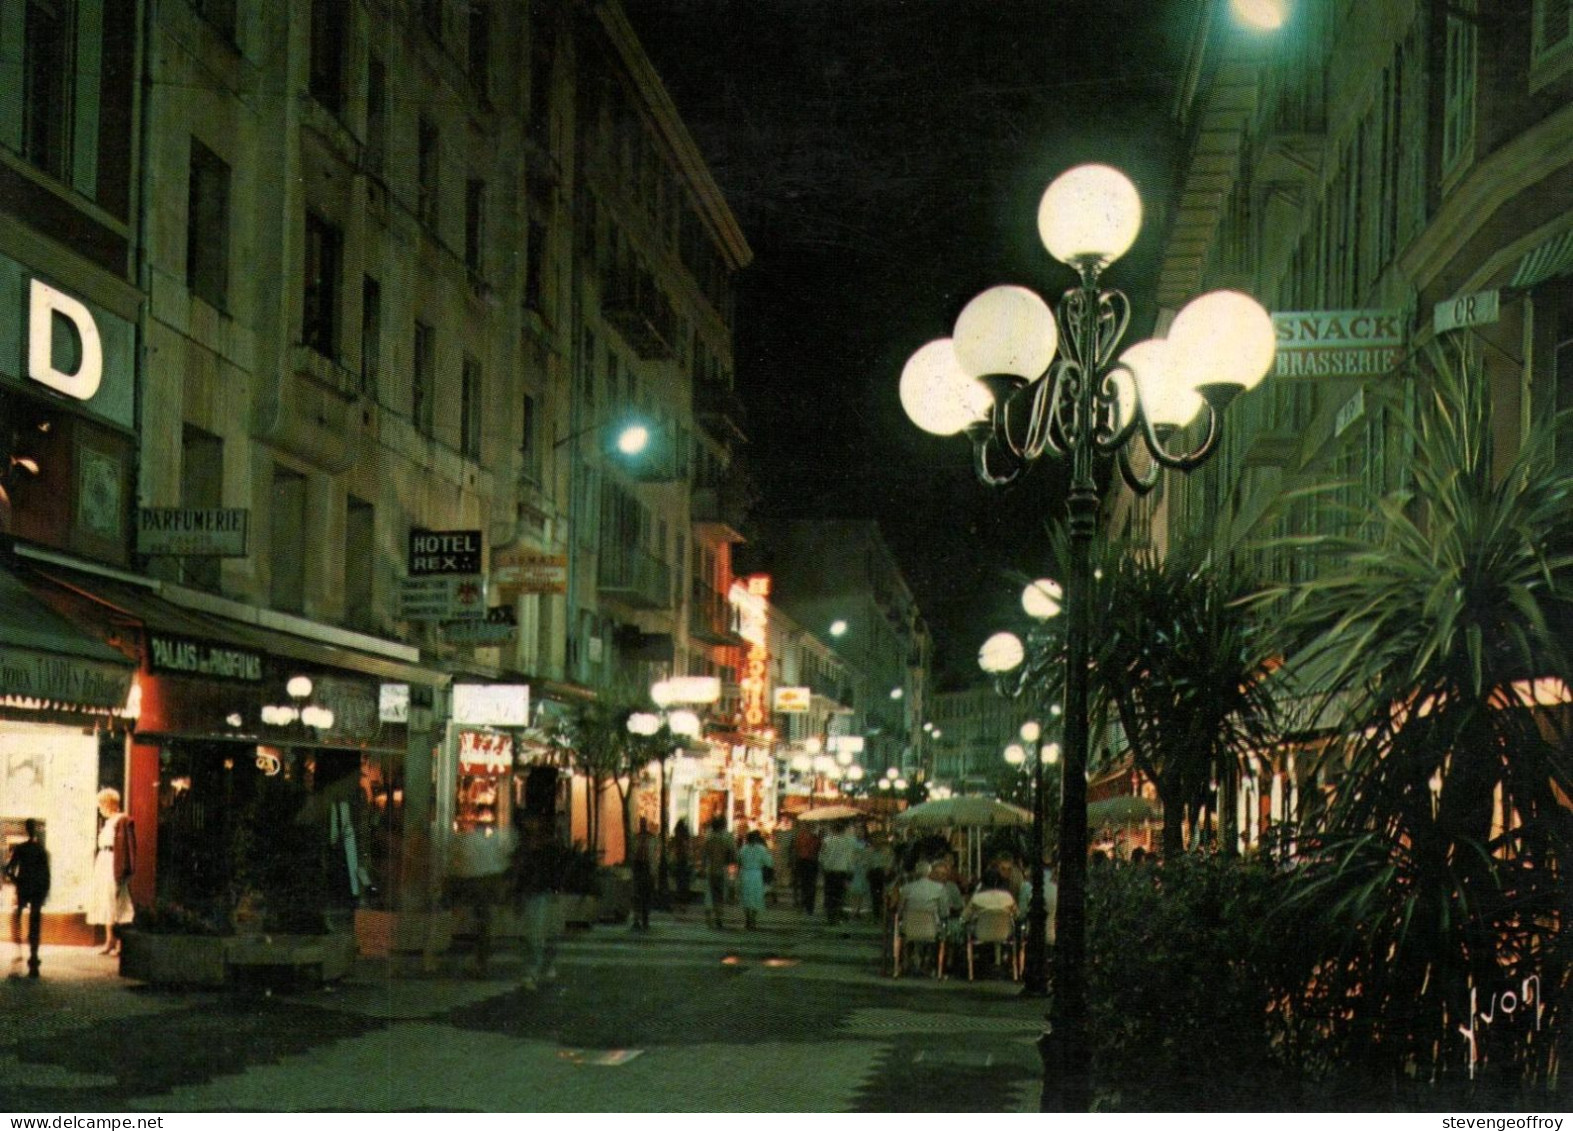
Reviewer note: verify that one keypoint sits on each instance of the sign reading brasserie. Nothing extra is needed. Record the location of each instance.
(216, 532)
(182, 655)
(1338, 343)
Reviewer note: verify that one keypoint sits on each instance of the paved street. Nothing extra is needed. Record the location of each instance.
(794, 1017)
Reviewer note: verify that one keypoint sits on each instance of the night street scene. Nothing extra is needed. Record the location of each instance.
(773, 556)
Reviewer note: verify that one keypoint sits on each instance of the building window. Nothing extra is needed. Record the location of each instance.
(48, 85)
(320, 296)
(535, 267)
(201, 488)
(370, 337)
(360, 550)
(207, 227)
(529, 442)
(1553, 27)
(220, 16)
(1458, 92)
(474, 223)
(426, 158)
(376, 115)
(423, 385)
(478, 44)
(470, 409)
(326, 79)
(287, 572)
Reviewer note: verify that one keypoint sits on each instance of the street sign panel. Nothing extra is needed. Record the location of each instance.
(1478, 309)
(442, 598)
(209, 532)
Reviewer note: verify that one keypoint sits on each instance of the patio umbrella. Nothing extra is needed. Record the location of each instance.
(972, 815)
(831, 813)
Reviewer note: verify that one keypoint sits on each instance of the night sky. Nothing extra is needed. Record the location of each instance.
(885, 160)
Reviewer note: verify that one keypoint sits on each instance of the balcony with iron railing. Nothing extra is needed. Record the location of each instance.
(634, 303)
(719, 511)
(634, 577)
(719, 410)
(710, 615)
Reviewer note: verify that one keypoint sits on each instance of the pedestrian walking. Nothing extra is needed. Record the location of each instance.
(109, 898)
(805, 868)
(858, 888)
(752, 863)
(835, 861)
(642, 863)
(683, 861)
(880, 865)
(719, 854)
(478, 879)
(27, 868)
(537, 874)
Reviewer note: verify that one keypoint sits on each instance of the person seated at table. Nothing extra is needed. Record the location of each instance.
(992, 895)
(943, 872)
(922, 893)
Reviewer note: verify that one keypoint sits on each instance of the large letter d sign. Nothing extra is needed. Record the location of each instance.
(46, 302)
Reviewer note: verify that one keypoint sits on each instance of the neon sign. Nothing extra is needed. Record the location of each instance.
(752, 600)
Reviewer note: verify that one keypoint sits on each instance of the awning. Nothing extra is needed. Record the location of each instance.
(47, 662)
(1551, 258)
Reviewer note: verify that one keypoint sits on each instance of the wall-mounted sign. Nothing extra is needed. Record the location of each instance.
(791, 700)
(517, 570)
(498, 626)
(442, 598)
(1478, 309)
(71, 363)
(848, 743)
(45, 675)
(211, 532)
(1349, 412)
(1338, 343)
(482, 752)
(182, 655)
(752, 599)
(492, 704)
(393, 703)
(444, 552)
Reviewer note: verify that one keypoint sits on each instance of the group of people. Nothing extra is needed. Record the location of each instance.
(855, 869)
(932, 885)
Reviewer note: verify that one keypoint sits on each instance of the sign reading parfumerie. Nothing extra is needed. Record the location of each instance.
(214, 532)
(182, 655)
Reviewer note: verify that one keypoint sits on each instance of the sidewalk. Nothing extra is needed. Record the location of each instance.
(796, 1016)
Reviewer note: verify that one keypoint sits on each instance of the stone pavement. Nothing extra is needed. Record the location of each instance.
(796, 1016)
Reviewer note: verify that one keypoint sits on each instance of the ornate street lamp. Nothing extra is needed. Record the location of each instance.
(999, 379)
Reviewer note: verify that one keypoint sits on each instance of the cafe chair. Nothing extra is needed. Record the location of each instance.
(999, 928)
(919, 927)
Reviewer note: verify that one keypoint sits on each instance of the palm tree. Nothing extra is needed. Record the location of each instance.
(1437, 625)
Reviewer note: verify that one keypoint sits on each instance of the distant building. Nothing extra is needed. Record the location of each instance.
(975, 726)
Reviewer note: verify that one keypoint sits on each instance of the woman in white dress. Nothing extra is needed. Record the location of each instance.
(109, 899)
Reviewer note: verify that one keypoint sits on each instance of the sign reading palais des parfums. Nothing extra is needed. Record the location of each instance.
(1338, 343)
(182, 655)
(211, 532)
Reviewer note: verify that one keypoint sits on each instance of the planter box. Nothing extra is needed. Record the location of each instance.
(379, 934)
(214, 962)
(174, 960)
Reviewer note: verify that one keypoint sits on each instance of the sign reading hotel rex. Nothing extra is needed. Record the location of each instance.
(182, 655)
(444, 552)
(64, 679)
(218, 532)
(1338, 343)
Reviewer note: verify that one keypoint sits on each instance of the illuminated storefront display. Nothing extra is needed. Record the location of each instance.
(751, 597)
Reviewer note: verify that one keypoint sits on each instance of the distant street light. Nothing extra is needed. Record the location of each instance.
(1264, 15)
(838, 628)
(998, 378)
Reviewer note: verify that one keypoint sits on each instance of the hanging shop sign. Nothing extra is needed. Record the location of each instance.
(442, 598)
(210, 532)
(483, 752)
(792, 700)
(751, 596)
(183, 655)
(498, 625)
(45, 676)
(1338, 343)
(492, 704)
(444, 552)
(1479, 309)
(393, 703)
(517, 570)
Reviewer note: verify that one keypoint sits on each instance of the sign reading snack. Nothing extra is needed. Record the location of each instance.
(1338, 343)
(181, 655)
(215, 532)
(439, 552)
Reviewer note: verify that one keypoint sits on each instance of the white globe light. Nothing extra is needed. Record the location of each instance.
(802, 763)
(1006, 330)
(938, 394)
(643, 723)
(299, 687)
(891, 772)
(938, 734)
(899, 783)
(884, 783)
(1001, 652)
(1222, 338)
(1051, 753)
(661, 693)
(1015, 754)
(1165, 398)
(1264, 15)
(838, 628)
(824, 764)
(1042, 598)
(685, 723)
(813, 745)
(1089, 215)
(855, 773)
(1031, 731)
(633, 439)
(896, 693)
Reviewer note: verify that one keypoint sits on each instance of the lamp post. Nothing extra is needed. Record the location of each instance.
(998, 378)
